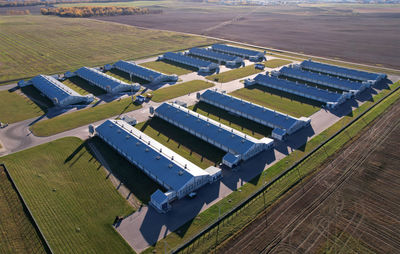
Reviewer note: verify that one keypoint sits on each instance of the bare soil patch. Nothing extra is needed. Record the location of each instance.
(351, 205)
(370, 37)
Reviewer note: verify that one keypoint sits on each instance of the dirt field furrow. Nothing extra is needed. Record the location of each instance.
(350, 205)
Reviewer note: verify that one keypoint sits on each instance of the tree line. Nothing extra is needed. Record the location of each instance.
(50, 2)
(93, 11)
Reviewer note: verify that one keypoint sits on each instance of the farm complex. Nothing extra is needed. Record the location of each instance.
(163, 141)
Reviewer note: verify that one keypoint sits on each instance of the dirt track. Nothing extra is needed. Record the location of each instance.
(352, 205)
(370, 38)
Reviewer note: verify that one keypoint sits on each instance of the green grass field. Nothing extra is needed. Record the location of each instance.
(167, 68)
(181, 89)
(190, 147)
(243, 72)
(15, 107)
(241, 219)
(292, 105)
(241, 124)
(70, 197)
(35, 44)
(17, 234)
(68, 121)
(83, 87)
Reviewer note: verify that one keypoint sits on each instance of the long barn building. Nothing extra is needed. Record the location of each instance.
(330, 99)
(239, 147)
(104, 81)
(281, 124)
(198, 64)
(228, 60)
(154, 77)
(342, 72)
(60, 94)
(175, 174)
(252, 55)
(324, 80)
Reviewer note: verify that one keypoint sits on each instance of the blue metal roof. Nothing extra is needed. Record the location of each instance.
(101, 79)
(137, 70)
(53, 88)
(341, 71)
(159, 197)
(194, 62)
(321, 79)
(134, 146)
(275, 118)
(187, 119)
(212, 54)
(236, 51)
(298, 89)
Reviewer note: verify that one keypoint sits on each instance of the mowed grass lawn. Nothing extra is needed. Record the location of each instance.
(243, 72)
(68, 121)
(70, 197)
(190, 147)
(14, 107)
(167, 67)
(181, 89)
(293, 106)
(35, 44)
(236, 122)
(17, 234)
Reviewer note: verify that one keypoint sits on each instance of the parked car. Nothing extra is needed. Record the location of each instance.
(139, 99)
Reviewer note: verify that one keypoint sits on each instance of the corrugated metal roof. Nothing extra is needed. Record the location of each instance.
(151, 155)
(194, 62)
(336, 70)
(101, 79)
(53, 88)
(135, 70)
(236, 50)
(212, 54)
(219, 133)
(265, 114)
(295, 88)
(321, 79)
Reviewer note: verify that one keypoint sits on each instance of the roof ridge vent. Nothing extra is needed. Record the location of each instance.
(170, 165)
(137, 143)
(158, 157)
(147, 149)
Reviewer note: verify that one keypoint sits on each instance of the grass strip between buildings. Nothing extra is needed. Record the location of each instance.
(178, 90)
(235, 223)
(15, 107)
(243, 72)
(166, 68)
(70, 197)
(276, 100)
(69, 121)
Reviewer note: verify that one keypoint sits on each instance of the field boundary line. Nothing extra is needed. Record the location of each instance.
(30, 215)
(277, 178)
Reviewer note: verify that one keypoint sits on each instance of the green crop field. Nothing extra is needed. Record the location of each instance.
(30, 45)
(275, 63)
(190, 147)
(17, 234)
(181, 89)
(243, 72)
(234, 74)
(291, 105)
(167, 67)
(239, 123)
(15, 107)
(70, 197)
(68, 121)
